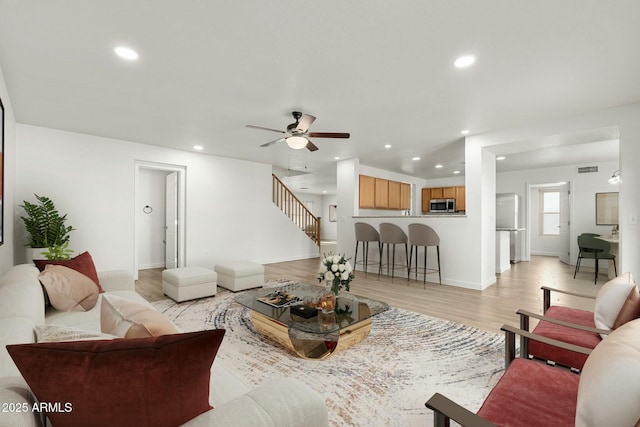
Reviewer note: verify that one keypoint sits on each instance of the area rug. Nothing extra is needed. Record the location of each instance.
(382, 381)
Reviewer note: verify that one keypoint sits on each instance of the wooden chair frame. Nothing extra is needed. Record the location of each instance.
(445, 409)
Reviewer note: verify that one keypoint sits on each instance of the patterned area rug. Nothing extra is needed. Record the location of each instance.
(382, 381)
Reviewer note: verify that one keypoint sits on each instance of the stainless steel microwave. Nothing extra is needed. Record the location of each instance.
(442, 205)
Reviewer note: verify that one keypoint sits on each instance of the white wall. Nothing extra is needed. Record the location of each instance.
(151, 225)
(229, 211)
(8, 194)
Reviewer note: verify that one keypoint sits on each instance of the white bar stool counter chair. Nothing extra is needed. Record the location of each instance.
(423, 235)
(365, 233)
(391, 234)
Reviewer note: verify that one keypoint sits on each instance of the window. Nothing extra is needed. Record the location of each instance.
(549, 213)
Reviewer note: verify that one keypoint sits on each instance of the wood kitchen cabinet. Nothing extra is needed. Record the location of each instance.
(457, 193)
(405, 196)
(367, 191)
(449, 193)
(381, 200)
(379, 193)
(461, 199)
(394, 195)
(426, 196)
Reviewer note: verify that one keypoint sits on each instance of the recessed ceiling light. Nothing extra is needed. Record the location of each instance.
(456, 172)
(336, 158)
(198, 147)
(439, 166)
(387, 146)
(126, 53)
(416, 158)
(464, 61)
(324, 191)
(500, 158)
(464, 131)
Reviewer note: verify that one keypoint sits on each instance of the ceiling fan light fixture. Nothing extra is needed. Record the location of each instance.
(297, 142)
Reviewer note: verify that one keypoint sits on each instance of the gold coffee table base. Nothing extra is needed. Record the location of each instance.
(311, 345)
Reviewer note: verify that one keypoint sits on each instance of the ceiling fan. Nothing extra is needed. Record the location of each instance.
(297, 134)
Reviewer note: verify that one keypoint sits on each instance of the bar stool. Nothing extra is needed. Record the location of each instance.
(365, 233)
(391, 234)
(423, 235)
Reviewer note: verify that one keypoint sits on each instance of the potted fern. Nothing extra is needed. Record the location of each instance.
(48, 234)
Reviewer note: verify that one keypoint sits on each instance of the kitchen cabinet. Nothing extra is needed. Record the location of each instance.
(461, 200)
(405, 196)
(449, 193)
(457, 193)
(394, 195)
(380, 193)
(381, 200)
(367, 191)
(426, 196)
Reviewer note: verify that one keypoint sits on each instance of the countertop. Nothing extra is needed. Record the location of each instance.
(426, 215)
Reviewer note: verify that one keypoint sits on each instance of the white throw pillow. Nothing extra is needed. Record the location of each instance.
(129, 319)
(609, 385)
(610, 299)
(57, 333)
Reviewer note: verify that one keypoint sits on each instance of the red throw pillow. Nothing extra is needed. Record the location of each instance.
(157, 381)
(82, 263)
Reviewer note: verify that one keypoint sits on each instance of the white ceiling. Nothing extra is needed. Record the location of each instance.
(380, 70)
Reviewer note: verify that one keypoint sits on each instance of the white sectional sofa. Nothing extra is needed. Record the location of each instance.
(286, 402)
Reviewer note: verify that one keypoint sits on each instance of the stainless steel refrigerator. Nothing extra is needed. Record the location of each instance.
(510, 217)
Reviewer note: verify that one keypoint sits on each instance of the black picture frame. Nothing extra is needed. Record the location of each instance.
(1, 172)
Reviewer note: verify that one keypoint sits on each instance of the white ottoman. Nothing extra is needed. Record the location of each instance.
(240, 275)
(182, 284)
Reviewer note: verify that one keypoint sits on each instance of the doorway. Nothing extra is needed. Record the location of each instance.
(549, 225)
(159, 216)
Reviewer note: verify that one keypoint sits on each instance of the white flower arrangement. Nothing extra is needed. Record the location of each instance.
(337, 270)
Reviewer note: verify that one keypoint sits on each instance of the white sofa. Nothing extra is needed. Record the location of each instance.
(286, 402)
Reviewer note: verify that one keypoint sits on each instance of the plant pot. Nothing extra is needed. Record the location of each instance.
(35, 253)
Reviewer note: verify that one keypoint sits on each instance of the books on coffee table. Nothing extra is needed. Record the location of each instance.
(279, 299)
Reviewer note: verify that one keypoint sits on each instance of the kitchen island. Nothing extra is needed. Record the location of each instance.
(448, 226)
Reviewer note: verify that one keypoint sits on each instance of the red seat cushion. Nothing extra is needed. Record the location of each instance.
(157, 381)
(531, 393)
(562, 333)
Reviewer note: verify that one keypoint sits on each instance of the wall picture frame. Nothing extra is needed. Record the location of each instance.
(333, 210)
(607, 208)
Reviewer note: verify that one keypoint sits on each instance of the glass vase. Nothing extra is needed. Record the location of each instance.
(328, 299)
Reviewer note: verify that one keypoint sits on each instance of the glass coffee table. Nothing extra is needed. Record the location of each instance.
(305, 329)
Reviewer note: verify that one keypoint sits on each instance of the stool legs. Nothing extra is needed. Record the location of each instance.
(424, 276)
(365, 256)
(393, 259)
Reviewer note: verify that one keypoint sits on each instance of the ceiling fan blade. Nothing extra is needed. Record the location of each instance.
(266, 144)
(329, 134)
(263, 128)
(304, 122)
(311, 146)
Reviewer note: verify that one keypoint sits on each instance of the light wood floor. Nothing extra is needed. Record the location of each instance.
(488, 310)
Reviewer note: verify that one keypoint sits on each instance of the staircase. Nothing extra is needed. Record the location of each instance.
(291, 206)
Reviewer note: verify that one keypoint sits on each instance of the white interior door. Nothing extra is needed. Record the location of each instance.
(564, 237)
(171, 221)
